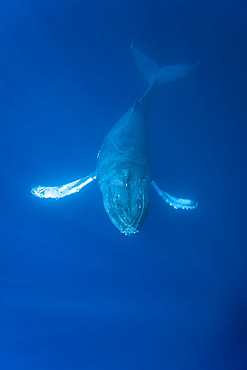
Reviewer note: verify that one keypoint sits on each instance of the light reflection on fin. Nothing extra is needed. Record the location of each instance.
(177, 203)
(63, 190)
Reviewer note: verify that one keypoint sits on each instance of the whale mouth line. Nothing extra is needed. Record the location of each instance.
(124, 219)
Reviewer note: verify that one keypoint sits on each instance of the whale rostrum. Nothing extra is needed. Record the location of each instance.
(122, 171)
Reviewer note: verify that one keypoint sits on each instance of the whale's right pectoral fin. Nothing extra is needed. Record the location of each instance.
(174, 202)
(63, 190)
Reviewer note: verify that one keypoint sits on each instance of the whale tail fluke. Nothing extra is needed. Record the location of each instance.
(163, 75)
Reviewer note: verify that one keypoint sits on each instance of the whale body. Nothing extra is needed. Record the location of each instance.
(122, 171)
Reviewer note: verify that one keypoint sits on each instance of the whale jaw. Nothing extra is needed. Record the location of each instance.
(126, 200)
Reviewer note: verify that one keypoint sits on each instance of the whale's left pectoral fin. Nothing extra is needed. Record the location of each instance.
(177, 203)
(63, 190)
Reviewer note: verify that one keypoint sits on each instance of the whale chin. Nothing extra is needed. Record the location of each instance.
(130, 231)
(125, 225)
(126, 200)
(127, 210)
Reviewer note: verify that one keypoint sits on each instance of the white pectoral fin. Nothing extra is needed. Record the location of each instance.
(63, 190)
(177, 203)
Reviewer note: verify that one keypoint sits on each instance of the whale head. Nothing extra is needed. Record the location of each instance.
(125, 197)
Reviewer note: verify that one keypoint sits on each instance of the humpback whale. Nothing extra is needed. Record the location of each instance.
(122, 171)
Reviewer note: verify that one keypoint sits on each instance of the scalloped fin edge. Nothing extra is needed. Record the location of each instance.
(177, 203)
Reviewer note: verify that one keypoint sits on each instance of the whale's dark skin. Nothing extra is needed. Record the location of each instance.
(122, 171)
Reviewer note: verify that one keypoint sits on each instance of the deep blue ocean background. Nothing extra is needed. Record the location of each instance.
(75, 293)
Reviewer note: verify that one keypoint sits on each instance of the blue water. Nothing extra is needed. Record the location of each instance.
(75, 293)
